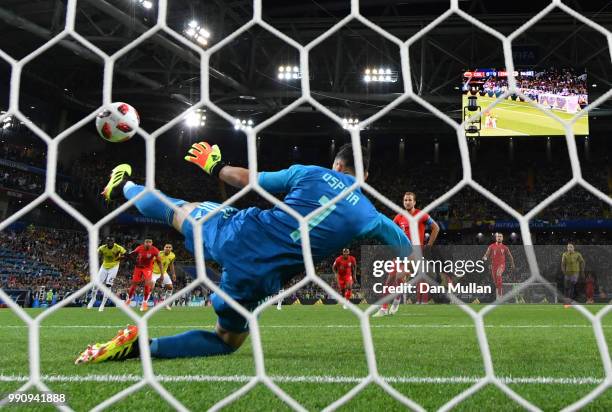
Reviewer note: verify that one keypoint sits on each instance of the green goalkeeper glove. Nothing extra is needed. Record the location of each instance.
(207, 157)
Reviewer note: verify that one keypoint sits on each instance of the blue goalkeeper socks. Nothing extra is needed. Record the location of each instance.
(149, 205)
(190, 344)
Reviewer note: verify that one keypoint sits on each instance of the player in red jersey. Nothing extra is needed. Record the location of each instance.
(345, 268)
(497, 252)
(589, 288)
(425, 222)
(145, 254)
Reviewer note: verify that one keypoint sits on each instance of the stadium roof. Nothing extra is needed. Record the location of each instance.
(162, 77)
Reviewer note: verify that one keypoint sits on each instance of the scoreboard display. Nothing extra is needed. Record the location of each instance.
(563, 91)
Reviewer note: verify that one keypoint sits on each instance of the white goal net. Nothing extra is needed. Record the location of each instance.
(35, 381)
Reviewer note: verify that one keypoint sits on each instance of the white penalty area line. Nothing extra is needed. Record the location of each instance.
(509, 132)
(539, 380)
(342, 326)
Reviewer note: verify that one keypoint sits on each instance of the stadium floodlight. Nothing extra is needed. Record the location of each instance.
(197, 33)
(242, 124)
(196, 119)
(380, 74)
(7, 122)
(289, 73)
(146, 4)
(350, 123)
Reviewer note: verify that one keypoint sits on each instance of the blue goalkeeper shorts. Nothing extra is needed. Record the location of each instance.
(241, 282)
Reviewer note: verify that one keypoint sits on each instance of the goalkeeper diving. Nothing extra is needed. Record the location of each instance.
(259, 250)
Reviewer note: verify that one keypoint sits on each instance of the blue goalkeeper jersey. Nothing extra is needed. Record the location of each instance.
(259, 249)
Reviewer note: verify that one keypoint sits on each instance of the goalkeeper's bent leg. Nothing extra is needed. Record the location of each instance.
(150, 205)
(229, 335)
(190, 344)
(193, 343)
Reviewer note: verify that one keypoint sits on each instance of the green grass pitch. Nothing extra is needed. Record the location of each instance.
(515, 118)
(315, 353)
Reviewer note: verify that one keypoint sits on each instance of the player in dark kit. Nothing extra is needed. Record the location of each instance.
(497, 252)
(258, 249)
(345, 269)
(145, 254)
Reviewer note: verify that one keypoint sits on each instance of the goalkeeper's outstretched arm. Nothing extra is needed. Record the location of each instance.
(208, 158)
(234, 176)
(388, 233)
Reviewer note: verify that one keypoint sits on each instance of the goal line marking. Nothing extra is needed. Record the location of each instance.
(405, 326)
(539, 380)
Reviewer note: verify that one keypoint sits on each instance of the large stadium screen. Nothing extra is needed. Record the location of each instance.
(564, 91)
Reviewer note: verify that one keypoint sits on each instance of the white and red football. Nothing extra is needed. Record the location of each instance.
(118, 122)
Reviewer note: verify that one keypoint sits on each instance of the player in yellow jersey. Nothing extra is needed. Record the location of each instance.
(167, 259)
(111, 254)
(572, 266)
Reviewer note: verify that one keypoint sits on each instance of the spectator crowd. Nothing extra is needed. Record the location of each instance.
(563, 82)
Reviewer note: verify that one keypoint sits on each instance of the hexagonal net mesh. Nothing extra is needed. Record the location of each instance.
(35, 379)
